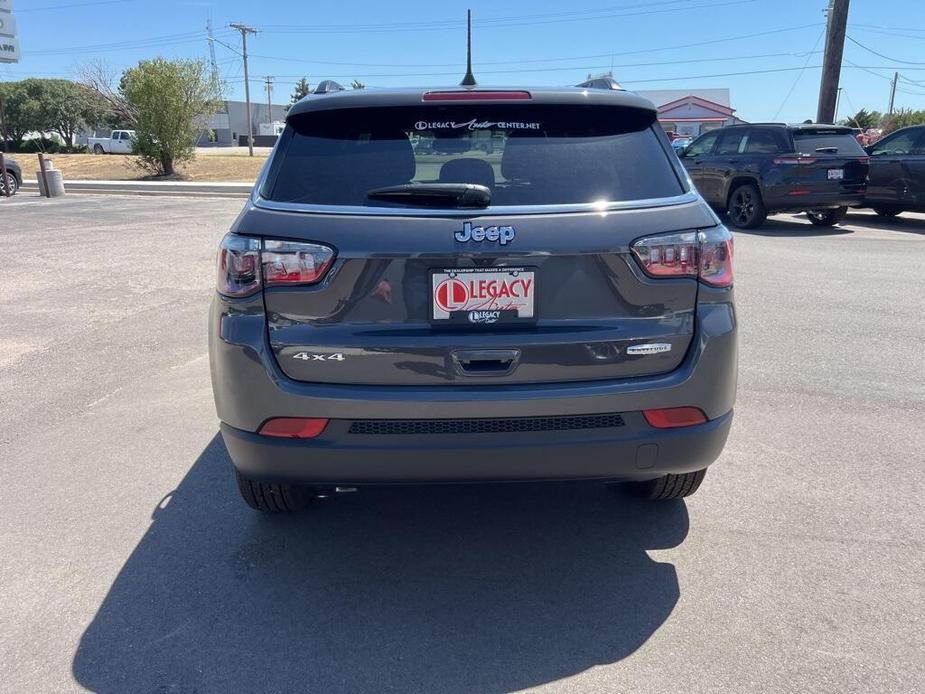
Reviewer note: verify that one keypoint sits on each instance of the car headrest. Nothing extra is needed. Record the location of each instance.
(475, 171)
(386, 158)
(577, 168)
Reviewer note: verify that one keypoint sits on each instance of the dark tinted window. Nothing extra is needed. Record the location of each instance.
(900, 143)
(526, 154)
(827, 142)
(702, 145)
(762, 141)
(730, 141)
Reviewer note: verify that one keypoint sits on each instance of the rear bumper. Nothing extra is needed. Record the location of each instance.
(782, 198)
(249, 388)
(634, 451)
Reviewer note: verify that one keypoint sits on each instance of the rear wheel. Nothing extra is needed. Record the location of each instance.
(11, 185)
(746, 208)
(887, 211)
(98, 149)
(668, 487)
(827, 218)
(272, 498)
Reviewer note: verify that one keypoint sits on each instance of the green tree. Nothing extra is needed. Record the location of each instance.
(50, 106)
(302, 89)
(173, 99)
(902, 118)
(17, 125)
(864, 119)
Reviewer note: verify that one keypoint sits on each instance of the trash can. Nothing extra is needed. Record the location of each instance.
(55, 180)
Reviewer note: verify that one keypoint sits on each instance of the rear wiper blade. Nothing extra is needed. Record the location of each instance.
(830, 150)
(434, 194)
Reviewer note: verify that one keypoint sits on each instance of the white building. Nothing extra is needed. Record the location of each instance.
(692, 111)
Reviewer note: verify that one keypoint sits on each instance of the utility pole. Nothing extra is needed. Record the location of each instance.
(269, 82)
(893, 92)
(831, 66)
(837, 102)
(245, 30)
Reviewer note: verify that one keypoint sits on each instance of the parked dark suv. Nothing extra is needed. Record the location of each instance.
(13, 177)
(751, 171)
(390, 311)
(897, 172)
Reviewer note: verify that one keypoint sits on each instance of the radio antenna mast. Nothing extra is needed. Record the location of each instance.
(469, 79)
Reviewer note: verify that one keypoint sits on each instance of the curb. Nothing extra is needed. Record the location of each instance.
(182, 188)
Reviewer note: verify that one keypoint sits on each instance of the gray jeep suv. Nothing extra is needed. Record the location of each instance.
(473, 285)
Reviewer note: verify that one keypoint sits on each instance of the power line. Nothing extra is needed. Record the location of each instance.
(547, 69)
(453, 25)
(886, 57)
(799, 76)
(608, 54)
(152, 42)
(45, 8)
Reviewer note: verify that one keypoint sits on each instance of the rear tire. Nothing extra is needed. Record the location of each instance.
(827, 218)
(745, 208)
(11, 183)
(886, 211)
(668, 487)
(272, 498)
(98, 149)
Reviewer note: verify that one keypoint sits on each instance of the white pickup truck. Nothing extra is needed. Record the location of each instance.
(119, 142)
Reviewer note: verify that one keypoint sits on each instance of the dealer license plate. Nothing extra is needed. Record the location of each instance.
(475, 296)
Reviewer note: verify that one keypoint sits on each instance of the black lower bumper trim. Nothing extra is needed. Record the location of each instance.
(633, 451)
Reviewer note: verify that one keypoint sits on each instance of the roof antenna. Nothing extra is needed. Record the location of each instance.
(469, 79)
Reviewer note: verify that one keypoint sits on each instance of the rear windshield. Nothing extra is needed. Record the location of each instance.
(525, 154)
(831, 142)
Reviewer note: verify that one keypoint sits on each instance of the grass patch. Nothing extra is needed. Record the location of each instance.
(120, 167)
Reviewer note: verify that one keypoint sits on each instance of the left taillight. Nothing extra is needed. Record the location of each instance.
(706, 255)
(245, 264)
(238, 266)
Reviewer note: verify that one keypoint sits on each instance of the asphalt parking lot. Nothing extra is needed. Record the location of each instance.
(128, 564)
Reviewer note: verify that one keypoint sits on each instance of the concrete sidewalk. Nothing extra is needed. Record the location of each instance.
(239, 189)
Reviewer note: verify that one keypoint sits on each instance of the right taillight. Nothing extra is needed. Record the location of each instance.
(245, 264)
(715, 266)
(706, 255)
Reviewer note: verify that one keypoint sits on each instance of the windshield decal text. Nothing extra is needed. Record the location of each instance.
(474, 124)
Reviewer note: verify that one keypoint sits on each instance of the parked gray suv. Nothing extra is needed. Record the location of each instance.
(400, 303)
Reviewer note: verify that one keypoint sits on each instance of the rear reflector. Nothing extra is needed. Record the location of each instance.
(674, 417)
(293, 427)
(476, 95)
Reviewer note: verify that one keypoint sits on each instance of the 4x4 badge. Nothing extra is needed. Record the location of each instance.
(501, 235)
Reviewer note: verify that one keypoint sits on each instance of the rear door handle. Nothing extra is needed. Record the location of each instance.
(486, 362)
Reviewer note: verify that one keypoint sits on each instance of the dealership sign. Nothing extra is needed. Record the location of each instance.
(9, 44)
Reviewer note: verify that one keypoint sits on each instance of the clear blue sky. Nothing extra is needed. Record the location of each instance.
(535, 42)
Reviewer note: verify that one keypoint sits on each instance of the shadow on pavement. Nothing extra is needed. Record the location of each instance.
(787, 227)
(443, 589)
(902, 222)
